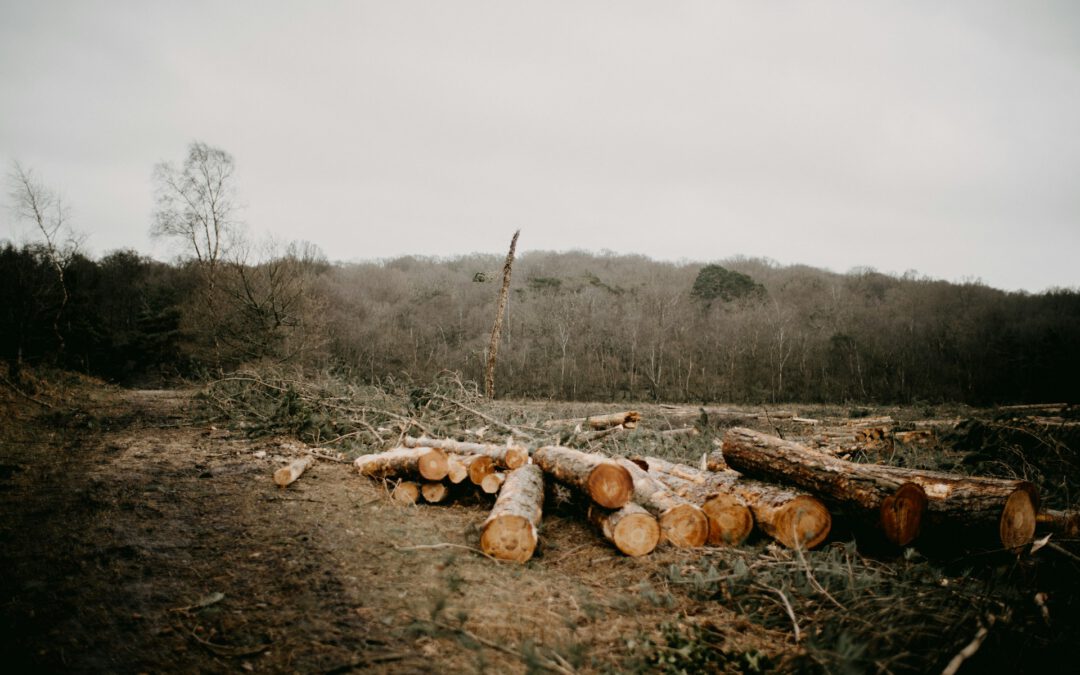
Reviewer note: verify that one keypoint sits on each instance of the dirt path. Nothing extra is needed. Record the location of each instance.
(135, 540)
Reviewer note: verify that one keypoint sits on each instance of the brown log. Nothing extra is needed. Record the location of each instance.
(406, 492)
(1010, 505)
(508, 456)
(429, 463)
(434, 492)
(1065, 523)
(681, 522)
(288, 474)
(479, 467)
(456, 471)
(492, 482)
(632, 529)
(790, 517)
(606, 482)
(511, 530)
(627, 420)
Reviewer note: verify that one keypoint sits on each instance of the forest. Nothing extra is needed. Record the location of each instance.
(579, 326)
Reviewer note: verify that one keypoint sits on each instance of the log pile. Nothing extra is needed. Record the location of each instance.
(788, 491)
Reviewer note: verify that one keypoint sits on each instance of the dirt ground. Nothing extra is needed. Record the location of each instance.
(135, 539)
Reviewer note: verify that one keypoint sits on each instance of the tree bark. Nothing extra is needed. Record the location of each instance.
(632, 529)
(496, 328)
(506, 456)
(605, 482)
(429, 463)
(288, 474)
(681, 522)
(511, 530)
(1010, 505)
(1065, 523)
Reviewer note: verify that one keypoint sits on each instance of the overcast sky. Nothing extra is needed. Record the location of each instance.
(937, 136)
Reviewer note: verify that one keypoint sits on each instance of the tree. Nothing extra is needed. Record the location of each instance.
(714, 281)
(33, 201)
(197, 205)
(496, 329)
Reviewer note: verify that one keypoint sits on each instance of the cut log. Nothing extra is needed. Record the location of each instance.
(1010, 505)
(1065, 523)
(628, 420)
(288, 474)
(434, 492)
(632, 529)
(605, 482)
(795, 519)
(511, 530)
(492, 482)
(479, 468)
(406, 492)
(429, 463)
(681, 522)
(506, 456)
(456, 471)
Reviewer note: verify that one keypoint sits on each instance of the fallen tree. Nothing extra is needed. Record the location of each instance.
(511, 531)
(896, 493)
(427, 462)
(793, 518)
(508, 456)
(604, 481)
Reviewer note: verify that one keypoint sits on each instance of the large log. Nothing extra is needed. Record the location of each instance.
(508, 456)
(681, 522)
(606, 482)
(288, 474)
(1009, 505)
(730, 519)
(429, 463)
(511, 530)
(793, 518)
(632, 529)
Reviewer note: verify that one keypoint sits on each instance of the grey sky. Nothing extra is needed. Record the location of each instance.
(943, 137)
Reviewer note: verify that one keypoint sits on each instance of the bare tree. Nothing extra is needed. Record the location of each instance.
(496, 329)
(32, 201)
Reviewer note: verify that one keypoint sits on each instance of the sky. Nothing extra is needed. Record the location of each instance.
(937, 137)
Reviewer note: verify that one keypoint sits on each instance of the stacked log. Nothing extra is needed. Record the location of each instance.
(681, 522)
(427, 462)
(898, 495)
(632, 529)
(511, 531)
(508, 456)
(605, 482)
(793, 518)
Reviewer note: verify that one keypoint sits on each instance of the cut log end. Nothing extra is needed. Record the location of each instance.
(730, 521)
(480, 467)
(435, 493)
(610, 485)
(515, 457)
(457, 472)
(433, 464)
(509, 537)
(492, 483)
(288, 474)
(406, 492)
(1017, 527)
(901, 514)
(803, 522)
(637, 534)
(685, 526)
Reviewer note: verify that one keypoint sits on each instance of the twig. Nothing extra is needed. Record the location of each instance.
(22, 393)
(546, 663)
(970, 650)
(228, 650)
(789, 609)
(509, 427)
(432, 547)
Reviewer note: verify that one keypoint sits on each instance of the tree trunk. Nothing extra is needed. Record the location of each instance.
(511, 530)
(288, 474)
(434, 492)
(792, 518)
(632, 529)
(430, 463)
(1010, 505)
(681, 522)
(505, 456)
(496, 328)
(607, 483)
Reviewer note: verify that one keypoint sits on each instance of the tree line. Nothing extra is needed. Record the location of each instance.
(579, 325)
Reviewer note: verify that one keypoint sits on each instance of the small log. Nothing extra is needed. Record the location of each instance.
(628, 420)
(632, 529)
(1010, 505)
(1065, 523)
(492, 482)
(429, 463)
(681, 522)
(456, 471)
(607, 483)
(406, 492)
(795, 519)
(434, 493)
(511, 530)
(508, 456)
(479, 468)
(288, 474)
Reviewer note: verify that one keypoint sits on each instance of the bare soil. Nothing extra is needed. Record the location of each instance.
(134, 539)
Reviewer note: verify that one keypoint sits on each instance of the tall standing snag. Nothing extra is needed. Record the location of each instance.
(496, 329)
(511, 530)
